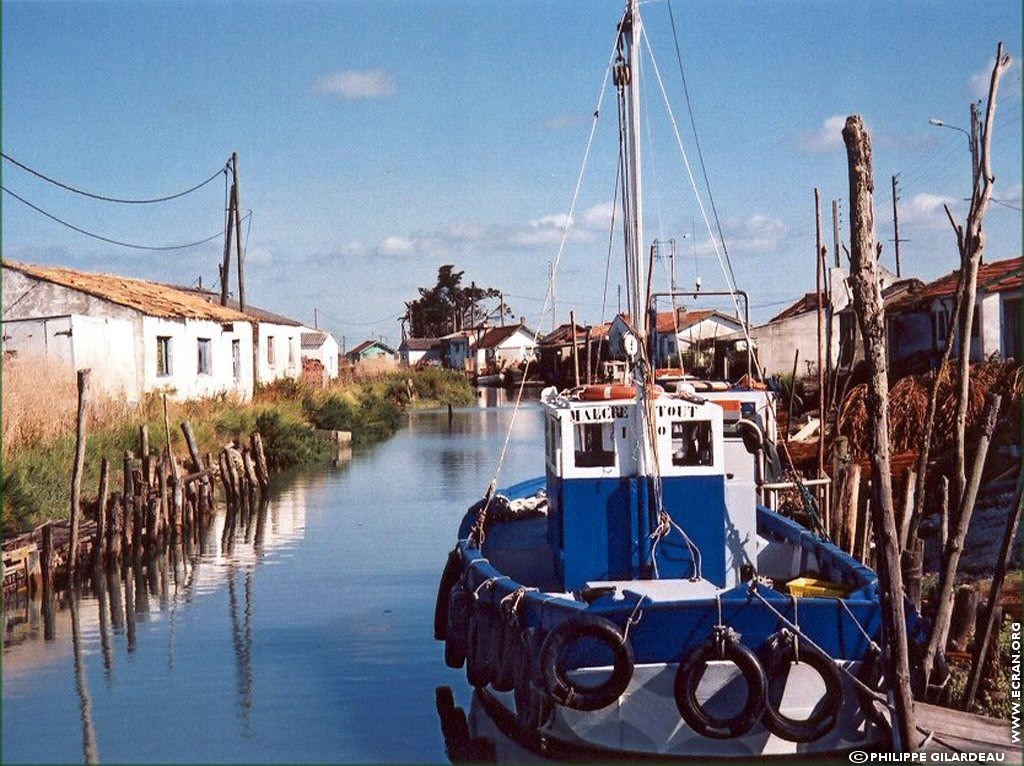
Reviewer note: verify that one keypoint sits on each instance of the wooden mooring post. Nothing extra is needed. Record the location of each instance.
(76, 475)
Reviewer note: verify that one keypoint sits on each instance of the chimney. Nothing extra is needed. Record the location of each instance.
(522, 321)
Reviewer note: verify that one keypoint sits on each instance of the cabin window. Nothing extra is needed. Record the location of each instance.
(203, 352)
(271, 355)
(692, 443)
(236, 359)
(552, 441)
(291, 352)
(594, 445)
(163, 355)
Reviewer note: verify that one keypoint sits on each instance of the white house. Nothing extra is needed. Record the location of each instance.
(320, 345)
(690, 332)
(414, 351)
(919, 321)
(136, 336)
(501, 347)
(277, 342)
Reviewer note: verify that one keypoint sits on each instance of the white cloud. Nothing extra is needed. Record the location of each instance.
(925, 208)
(826, 138)
(396, 246)
(758, 233)
(353, 84)
(1009, 83)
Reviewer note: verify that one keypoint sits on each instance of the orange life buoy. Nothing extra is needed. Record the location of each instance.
(669, 372)
(604, 393)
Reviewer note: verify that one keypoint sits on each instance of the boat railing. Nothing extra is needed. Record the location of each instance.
(820, 488)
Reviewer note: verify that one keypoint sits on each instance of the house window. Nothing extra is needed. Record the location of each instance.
(163, 355)
(203, 358)
(594, 445)
(291, 351)
(236, 359)
(692, 443)
(271, 355)
(976, 324)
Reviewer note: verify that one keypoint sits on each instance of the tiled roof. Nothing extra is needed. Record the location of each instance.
(666, 323)
(992, 277)
(809, 302)
(369, 343)
(421, 344)
(254, 312)
(150, 298)
(312, 339)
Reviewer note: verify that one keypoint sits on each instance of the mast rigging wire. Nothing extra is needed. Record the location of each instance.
(108, 240)
(105, 198)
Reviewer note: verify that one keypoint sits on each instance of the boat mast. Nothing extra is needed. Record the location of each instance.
(637, 308)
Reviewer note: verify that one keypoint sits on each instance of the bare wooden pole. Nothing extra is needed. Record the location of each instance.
(955, 544)
(835, 231)
(870, 310)
(819, 258)
(792, 395)
(896, 225)
(101, 514)
(76, 475)
(988, 625)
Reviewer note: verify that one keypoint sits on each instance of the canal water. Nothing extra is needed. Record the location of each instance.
(314, 645)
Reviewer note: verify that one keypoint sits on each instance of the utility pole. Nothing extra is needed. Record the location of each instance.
(238, 232)
(316, 326)
(225, 268)
(672, 273)
(835, 231)
(618, 289)
(896, 224)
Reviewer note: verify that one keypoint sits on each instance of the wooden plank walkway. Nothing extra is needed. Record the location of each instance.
(966, 732)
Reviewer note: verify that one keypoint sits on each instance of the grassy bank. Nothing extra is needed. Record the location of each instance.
(39, 443)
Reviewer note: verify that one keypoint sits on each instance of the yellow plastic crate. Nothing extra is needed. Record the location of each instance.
(810, 587)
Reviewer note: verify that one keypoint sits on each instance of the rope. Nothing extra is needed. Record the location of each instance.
(693, 184)
(852, 676)
(105, 198)
(554, 271)
(108, 240)
(634, 618)
(487, 584)
(860, 627)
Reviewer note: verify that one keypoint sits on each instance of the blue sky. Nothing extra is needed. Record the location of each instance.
(380, 140)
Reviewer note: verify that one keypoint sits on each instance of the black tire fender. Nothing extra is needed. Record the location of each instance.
(508, 656)
(783, 650)
(533, 706)
(480, 644)
(450, 575)
(724, 646)
(556, 680)
(460, 606)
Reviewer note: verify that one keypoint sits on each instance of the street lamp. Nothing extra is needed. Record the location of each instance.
(971, 143)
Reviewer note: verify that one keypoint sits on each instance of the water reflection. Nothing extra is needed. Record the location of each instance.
(307, 639)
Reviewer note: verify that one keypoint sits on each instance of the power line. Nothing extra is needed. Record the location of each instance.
(1006, 204)
(105, 198)
(101, 238)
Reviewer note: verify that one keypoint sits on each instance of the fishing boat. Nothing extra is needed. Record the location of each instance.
(644, 598)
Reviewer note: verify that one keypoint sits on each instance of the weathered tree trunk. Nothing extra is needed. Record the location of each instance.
(867, 301)
(971, 244)
(955, 545)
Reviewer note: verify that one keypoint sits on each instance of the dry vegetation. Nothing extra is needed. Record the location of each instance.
(908, 405)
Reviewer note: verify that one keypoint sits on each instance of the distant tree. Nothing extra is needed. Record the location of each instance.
(448, 306)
